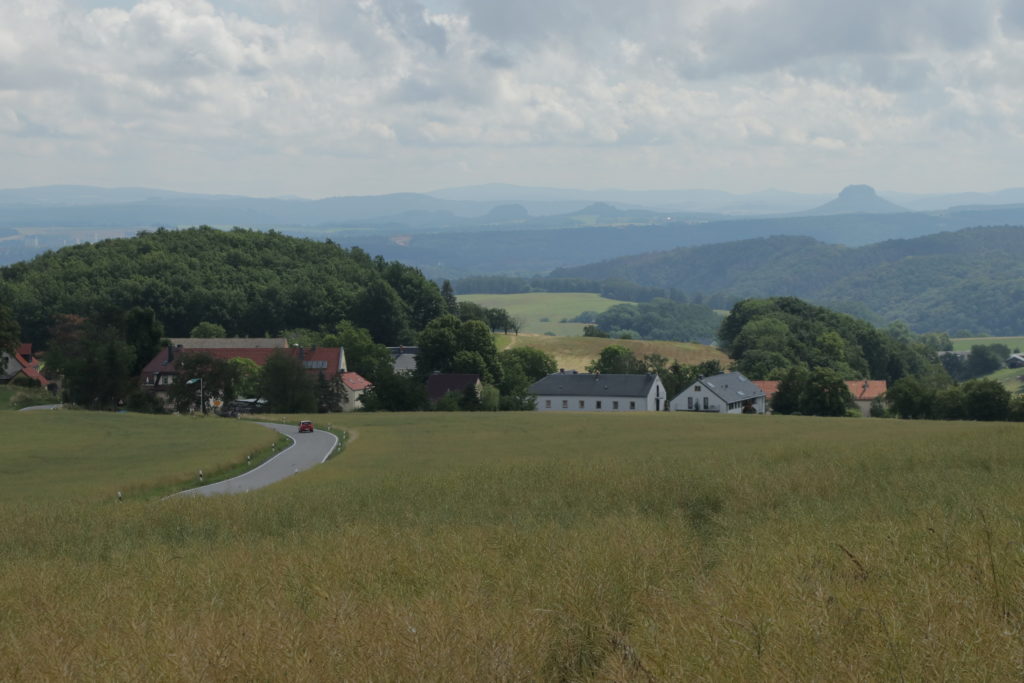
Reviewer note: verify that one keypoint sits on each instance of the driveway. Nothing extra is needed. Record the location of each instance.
(306, 451)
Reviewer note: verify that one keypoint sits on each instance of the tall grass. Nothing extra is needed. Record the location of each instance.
(549, 547)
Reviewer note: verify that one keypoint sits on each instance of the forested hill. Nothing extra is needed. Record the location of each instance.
(971, 280)
(252, 283)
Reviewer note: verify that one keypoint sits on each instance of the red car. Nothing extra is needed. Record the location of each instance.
(305, 426)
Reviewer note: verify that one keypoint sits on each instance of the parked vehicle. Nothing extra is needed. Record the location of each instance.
(305, 426)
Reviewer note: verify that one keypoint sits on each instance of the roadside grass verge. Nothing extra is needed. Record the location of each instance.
(15, 398)
(532, 546)
(65, 455)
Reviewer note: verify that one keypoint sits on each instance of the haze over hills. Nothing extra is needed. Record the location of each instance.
(971, 280)
(856, 199)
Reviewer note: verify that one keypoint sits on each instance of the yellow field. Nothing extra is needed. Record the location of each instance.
(574, 353)
(548, 547)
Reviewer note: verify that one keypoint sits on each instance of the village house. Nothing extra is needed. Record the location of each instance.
(440, 384)
(728, 392)
(403, 359)
(571, 391)
(161, 372)
(863, 391)
(21, 367)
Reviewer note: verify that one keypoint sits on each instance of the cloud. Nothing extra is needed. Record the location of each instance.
(354, 84)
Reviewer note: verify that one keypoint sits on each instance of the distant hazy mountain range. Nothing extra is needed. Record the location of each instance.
(485, 205)
(500, 228)
(971, 280)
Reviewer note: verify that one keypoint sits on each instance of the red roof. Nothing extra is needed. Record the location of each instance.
(768, 386)
(867, 389)
(29, 368)
(325, 359)
(860, 389)
(355, 382)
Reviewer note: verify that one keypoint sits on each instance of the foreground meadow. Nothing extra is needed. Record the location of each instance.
(548, 547)
(53, 456)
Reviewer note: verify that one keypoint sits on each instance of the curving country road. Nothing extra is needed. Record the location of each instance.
(306, 451)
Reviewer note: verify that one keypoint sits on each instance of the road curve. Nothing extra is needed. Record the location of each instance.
(306, 451)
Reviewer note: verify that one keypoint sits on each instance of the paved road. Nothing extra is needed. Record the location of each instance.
(49, 406)
(306, 451)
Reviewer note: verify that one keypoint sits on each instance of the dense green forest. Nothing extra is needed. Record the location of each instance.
(658, 319)
(768, 337)
(252, 283)
(965, 283)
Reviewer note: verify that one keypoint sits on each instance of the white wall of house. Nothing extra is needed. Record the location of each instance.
(698, 398)
(612, 404)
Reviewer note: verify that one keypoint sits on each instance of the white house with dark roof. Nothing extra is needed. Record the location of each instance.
(730, 392)
(569, 391)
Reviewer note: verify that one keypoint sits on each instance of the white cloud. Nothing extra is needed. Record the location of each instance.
(320, 97)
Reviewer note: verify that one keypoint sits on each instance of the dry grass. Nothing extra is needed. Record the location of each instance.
(575, 353)
(549, 547)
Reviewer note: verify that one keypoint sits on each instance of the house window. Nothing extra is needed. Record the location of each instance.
(582, 406)
(597, 404)
(689, 402)
(697, 388)
(632, 405)
(705, 403)
(565, 405)
(149, 379)
(615, 405)
(547, 403)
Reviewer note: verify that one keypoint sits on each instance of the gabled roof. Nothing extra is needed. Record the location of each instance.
(353, 381)
(315, 360)
(731, 387)
(230, 342)
(25, 363)
(568, 384)
(441, 383)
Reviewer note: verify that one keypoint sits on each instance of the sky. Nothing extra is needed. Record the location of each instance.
(336, 97)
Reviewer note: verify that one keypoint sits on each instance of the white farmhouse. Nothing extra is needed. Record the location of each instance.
(730, 392)
(570, 391)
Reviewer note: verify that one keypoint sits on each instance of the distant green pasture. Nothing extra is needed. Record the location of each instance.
(65, 454)
(554, 306)
(965, 343)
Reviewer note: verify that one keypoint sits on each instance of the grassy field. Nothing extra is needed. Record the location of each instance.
(15, 398)
(548, 547)
(965, 343)
(574, 353)
(1008, 377)
(533, 307)
(50, 456)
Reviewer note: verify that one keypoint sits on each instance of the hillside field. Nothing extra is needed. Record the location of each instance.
(574, 353)
(555, 306)
(965, 343)
(60, 455)
(514, 546)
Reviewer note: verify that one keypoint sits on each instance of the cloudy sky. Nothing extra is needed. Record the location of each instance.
(331, 97)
